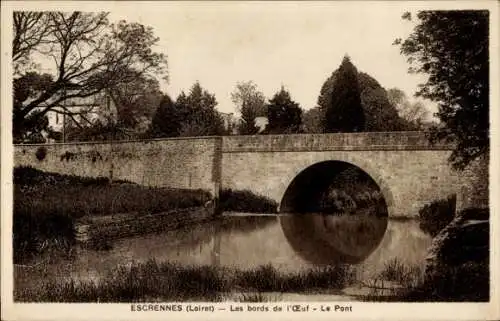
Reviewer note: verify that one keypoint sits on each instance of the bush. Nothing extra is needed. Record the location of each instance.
(437, 215)
(246, 201)
(467, 282)
(41, 153)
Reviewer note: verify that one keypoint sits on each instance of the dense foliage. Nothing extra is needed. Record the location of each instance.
(379, 113)
(284, 114)
(414, 113)
(246, 202)
(190, 115)
(199, 116)
(167, 119)
(437, 215)
(451, 47)
(251, 103)
(344, 112)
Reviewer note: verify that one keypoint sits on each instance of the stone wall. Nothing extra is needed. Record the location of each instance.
(177, 163)
(328, 142)
(407, 179)
(409, 171)
(93, 229)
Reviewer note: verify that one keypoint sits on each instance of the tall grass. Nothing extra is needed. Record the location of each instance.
(268, 278)
(55, 194)
(259, 297)
(408, 276)
(138, 282)
(152, 281)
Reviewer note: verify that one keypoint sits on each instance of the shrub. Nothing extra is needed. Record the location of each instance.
(467, 282)
(437, 215)
(41, 153)
(246, 201)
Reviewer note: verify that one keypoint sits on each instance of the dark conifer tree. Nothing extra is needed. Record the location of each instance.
(345, 112)
(166, 121)
(284, 115)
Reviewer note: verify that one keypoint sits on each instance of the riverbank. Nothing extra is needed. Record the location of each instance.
(47, 207)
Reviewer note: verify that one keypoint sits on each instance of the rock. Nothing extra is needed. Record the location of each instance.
(457, 266)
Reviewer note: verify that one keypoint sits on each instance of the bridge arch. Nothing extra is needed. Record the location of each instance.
(306, 174)
(333, 239)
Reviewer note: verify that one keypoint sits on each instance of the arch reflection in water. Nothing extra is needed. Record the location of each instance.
(337, 214)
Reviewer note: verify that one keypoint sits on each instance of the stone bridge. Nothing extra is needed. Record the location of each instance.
(409, 171)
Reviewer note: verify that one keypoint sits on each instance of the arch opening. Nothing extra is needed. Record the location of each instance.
(336, 213)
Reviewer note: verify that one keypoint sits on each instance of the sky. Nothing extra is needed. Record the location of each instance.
(297, 45)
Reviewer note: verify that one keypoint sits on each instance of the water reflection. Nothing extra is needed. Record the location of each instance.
(242, 242)
(332, 239)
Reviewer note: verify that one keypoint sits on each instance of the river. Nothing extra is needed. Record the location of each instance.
(235, 240)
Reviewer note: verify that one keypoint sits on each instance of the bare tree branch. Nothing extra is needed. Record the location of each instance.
(88, 53)
(30, 29)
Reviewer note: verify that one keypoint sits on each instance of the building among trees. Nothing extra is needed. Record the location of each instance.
(79, 113)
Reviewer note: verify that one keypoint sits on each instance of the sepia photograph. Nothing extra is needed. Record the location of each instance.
(305, 156)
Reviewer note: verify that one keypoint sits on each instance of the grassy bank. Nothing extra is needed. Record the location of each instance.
(152, 281)
(74, 196)
(46, 205)
(156, 282)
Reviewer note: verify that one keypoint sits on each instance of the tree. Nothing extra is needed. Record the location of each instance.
(380, 114)
(284, 115)
(251, 104)
(30, 31)
(345, 113)
(25, 87)
(415, 113)
(167, 119)
(312, 121)
(198, 114)
(88, 56)
(451, 47)
(136, 101)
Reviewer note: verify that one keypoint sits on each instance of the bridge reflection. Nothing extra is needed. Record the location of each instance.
(340, 213)
(333, 239)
